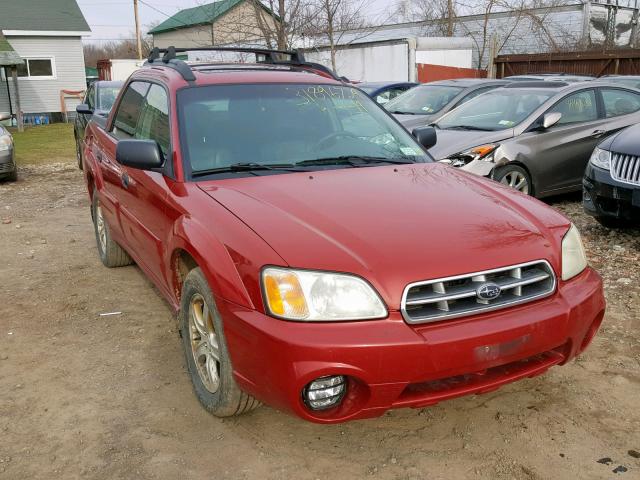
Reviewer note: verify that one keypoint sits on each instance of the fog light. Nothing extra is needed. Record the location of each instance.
(325, 392)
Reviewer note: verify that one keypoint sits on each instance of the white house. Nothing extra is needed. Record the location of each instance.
(47, 35)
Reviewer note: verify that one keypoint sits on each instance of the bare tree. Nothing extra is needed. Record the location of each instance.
(125, 48)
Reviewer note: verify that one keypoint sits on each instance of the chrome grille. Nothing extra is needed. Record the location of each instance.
(625, 168)
(450, 297)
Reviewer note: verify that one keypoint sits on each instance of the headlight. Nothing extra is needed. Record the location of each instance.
(574, 259)
(601, 158)
(5, 142)
(481, 152)
(318, 296)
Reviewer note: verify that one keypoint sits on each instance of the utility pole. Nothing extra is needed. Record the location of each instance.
(138, 39)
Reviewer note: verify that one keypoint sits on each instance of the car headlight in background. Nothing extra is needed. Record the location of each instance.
(601, 158)
(574, 259)
(306, 295)
(5, 142)
(481, 152)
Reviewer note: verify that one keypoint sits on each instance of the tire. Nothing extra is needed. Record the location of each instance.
(613, 222)
(514, 175)
(13, 176)
(208, 361)
(79, 154)
(111, 254)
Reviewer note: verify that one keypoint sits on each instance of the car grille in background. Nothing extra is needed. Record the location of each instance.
(444, 298)
(625, 168)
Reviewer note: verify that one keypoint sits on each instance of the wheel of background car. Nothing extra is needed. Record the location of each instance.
(514, 176)
(111, 254)
(79, 154)
(206, 353)
(612, 222)
(322, 143)
(13, 176)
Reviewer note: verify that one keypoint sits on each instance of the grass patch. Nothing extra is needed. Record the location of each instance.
(44, 144)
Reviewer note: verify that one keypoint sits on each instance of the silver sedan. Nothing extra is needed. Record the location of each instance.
(535, 136)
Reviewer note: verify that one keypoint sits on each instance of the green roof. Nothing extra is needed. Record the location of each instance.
(8, 55)
(43, 15)
(200, 15)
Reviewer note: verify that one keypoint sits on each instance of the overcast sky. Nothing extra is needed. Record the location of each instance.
(113, 19)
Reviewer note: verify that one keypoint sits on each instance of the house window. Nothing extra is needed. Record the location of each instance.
(37, 68)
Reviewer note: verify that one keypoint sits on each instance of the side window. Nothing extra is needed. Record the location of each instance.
(619, 102)
(474, 94)
(124, 125)
(154, 120)
(577, 107)
(89, 98)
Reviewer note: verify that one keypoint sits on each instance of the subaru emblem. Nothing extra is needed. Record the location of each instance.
(488, 291)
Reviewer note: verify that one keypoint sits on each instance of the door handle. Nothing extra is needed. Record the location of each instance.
(598, 133)
(124, 178)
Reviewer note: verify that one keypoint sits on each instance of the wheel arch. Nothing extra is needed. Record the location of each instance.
(519, 163)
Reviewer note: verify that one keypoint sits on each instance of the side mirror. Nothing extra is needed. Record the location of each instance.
(550, 119)
(84, 109)
(426, 136)
(140, 154)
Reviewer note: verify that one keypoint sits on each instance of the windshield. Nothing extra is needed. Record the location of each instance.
(284, 124)
(423, 100)
(496, 110)
(107, 97)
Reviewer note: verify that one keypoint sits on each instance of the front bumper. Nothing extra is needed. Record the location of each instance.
(7, 164)
(391, 364)
(602, 196)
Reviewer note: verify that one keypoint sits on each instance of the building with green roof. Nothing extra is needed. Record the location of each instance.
(218, 23)
(46, 35)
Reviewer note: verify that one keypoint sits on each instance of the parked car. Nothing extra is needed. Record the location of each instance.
(304, 267)
(550, 77)
(535, 136)
(425, 103)
(612, 179)
(632, 81)
(382, 92)
(8, 168)
(98, 101)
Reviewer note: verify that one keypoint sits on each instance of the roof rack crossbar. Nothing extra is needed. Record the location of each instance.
(268, 56)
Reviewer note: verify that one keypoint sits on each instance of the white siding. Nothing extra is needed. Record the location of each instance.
(43, 96)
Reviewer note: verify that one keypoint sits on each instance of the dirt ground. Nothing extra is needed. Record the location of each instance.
(107, 397)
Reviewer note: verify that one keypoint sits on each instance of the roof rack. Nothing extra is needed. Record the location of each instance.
(537, 84)
(263, 55)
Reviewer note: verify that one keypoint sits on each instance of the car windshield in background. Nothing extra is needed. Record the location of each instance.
(226, 126)
(497, 110)
(423, 100)
(107, 97)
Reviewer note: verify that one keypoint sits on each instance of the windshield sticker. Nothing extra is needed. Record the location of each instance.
(316, 94)
(506, 123)
(409, 151)
(427, 108)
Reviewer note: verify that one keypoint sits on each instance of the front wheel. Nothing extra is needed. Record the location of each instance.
(206, 352)
(515, 177)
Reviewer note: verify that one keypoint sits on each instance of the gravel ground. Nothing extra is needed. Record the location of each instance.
(96, 397)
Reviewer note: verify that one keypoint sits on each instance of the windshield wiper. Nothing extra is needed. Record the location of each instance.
(468, 127)
(353, 160)
(398, 112)
(248, 167)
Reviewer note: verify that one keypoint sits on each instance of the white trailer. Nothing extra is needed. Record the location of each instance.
(117, 69)
(395, 59)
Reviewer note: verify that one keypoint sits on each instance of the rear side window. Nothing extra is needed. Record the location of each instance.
(154, 119)
(577, 107)
(619, 102)
(129, 110)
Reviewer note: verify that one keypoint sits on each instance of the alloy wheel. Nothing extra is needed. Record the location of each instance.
(516, 180)
(204, 343)
(102, 229)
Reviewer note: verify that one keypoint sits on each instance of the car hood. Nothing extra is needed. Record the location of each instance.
(412, 121)
(393, 225)
(454, 141)
(625, 142)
